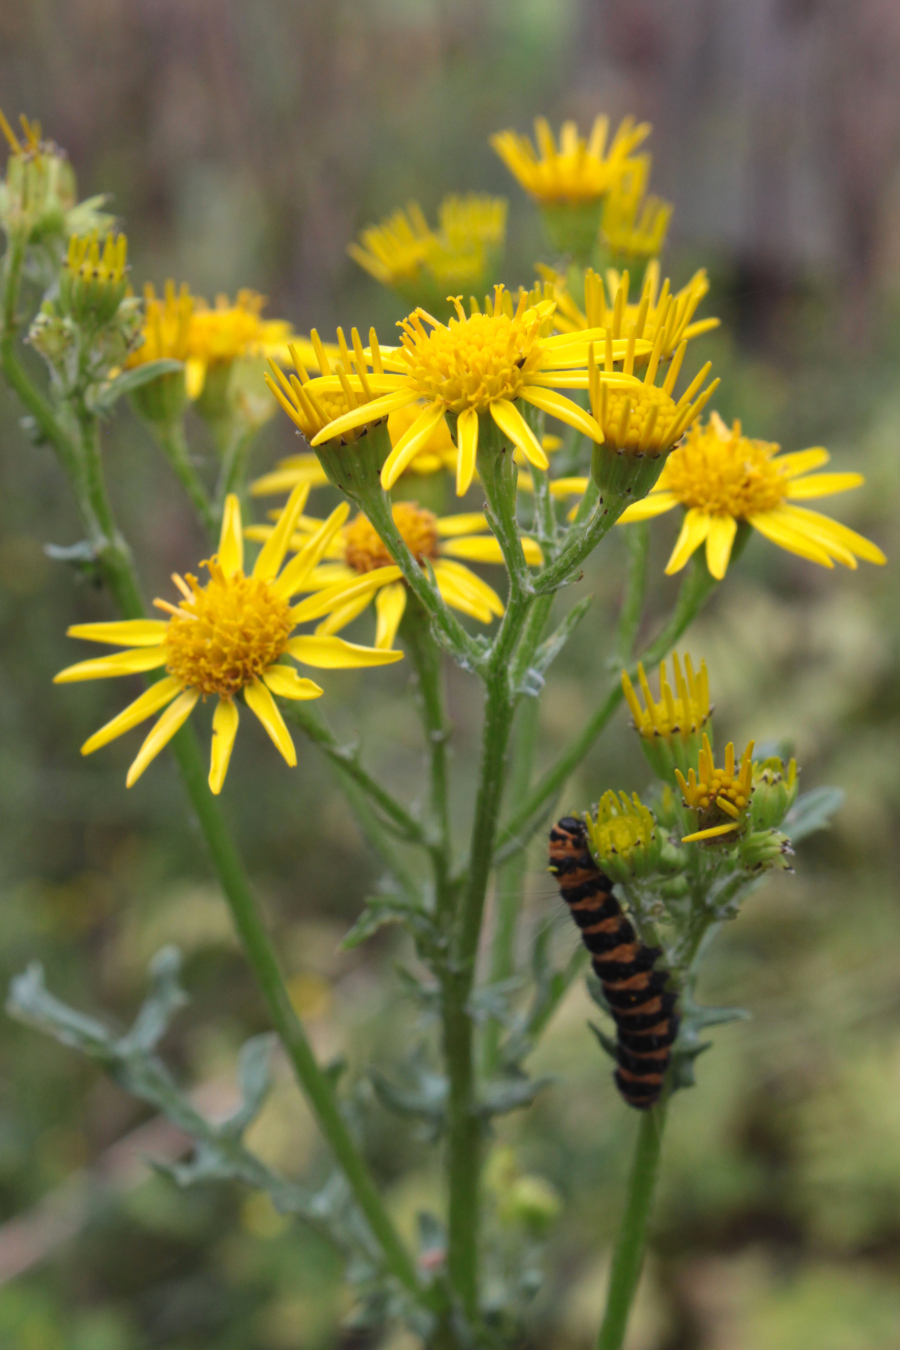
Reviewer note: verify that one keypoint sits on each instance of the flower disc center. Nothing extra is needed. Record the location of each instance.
(731, 476)
(365, 550)
(472, 361)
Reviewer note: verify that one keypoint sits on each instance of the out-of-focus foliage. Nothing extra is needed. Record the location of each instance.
(246, 145)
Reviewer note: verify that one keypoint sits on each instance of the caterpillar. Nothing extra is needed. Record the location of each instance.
(641, 1005)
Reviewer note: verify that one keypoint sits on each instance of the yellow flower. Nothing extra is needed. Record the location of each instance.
(658, 310)
(93, 282)
(644, 419)
(166, 333)
(578, 171)
(623, 836)
(225, 638)
(474, 366)
(404, 252)
(358, 552)
(714, 793)
(722, 477)
(670, 727)
(38, 192)
(633, 225)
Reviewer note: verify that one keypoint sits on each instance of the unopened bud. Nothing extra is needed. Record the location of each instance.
(774, 792)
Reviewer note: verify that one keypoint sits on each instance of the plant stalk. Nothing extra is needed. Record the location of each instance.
(172, 441)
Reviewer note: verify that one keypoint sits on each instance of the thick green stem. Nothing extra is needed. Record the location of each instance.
(637, 539)
(582, 541)
(628, 1256)
(234, 465)
(172, 441)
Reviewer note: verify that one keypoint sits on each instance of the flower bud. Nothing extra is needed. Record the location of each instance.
(52, 335)
(719, 797)
(623, 837)
(774, 792)
(671, 727)
(92, 284)
(764, 849)
(39, 187)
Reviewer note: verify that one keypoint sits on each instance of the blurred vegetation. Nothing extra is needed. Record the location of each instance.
(245, 145)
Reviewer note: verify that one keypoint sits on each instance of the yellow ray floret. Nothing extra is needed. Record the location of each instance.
(580, 169)
(357, 553)
(401, 249)
(475, 366)
(632, 224)
(680, 714)
(228, 638)
(714, 793)
(722, 477)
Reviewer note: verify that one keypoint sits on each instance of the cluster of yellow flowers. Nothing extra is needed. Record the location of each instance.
(450, 386)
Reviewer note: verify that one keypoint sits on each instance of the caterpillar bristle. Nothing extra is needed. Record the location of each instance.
(635, 990)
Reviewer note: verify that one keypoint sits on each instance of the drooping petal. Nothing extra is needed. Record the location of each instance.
(224, 725)
(118, 663)
(299, 568)
(127, 633)
(648, 507)
(390, 606)
(194, 377)
(262, 704)
(775, 528)
(172, 719)
(149, 702)
(557, 405)
(231, 538)
(333, 653)
(513, 424)
(284, 681)
(314, 606)
(832, 534)
(467, 522)
(290, 472)
(458, 596)
(366, 412)
(410, 443)
(328, 574)
(693, 533)
(712, 833)
(823, 485)
(801, 461)
(344, 614)
(272, 553)
(722, 530)
(467, 450)
(467, 583)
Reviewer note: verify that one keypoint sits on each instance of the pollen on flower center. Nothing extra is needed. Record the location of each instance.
(472, 360)
(225, 634)
(725, 473)
(365, 550)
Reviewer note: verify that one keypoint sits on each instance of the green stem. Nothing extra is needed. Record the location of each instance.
(695, 590)
(234, 465)
(628, 1256)
(583, 539)
(172, 441)
(637, 539)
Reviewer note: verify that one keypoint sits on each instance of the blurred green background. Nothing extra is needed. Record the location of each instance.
(244, 145)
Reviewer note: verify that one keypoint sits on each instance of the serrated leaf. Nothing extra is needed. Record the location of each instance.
(494, 1000)
(700, 1018)
(812, 811)
(165, 998)
(380, 910)
(254, 1081)
(502, 1095)
(607, 1043)
(551, 647)
(81, 554)
(427, 1100)
(104, 396)
(30, 1001)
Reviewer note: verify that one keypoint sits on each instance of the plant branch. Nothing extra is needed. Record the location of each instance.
(171, 439)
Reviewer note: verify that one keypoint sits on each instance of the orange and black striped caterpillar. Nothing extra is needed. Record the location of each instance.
(641, 1005)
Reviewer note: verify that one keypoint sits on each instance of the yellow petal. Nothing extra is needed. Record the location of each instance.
(569, 487)
(127, 633)
(367, 412)
(333, 653)
(648, 507)
(224, 725)
(194, 377)
(410, 443)
(464, 590)
(801, 461)
(712, 833)
(314, 606)
(693, 533)
(831, 533)
(512, 424)
(231, 539)
(483, 548)
(390, 605)
(272, 553)
(467, 522)
(329, 574)
(284, 681)
(172, 719)
(344, 614)
(299, 568)
(722, 530)
(823, 485)
(118, 663)
(778, 531)
(458, 597)
(467, 449)
(150, 701)
(261, 702)
(549, 401)
(284, 480)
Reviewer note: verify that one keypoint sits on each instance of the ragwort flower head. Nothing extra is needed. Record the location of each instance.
(720, 797)
(635, 226)
(580, 170)
(356, 568)
(93, 282)
(723, 478)
(38, 191)
(227, 638)
(671, 726)
(476, 366)
(623, 836)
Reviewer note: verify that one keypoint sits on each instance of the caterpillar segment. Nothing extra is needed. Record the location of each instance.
(641, 1005)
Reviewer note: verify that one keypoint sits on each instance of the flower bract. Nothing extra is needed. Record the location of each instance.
(722, 478)
(443, 543)
(228, 638)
